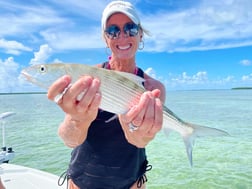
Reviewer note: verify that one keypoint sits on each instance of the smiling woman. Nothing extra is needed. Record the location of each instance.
(109, 149)
(122, 31)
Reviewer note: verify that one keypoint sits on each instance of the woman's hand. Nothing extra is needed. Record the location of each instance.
(146, 116)
(80, 103)
(81, 100)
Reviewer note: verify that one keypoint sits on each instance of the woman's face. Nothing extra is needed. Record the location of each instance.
(124, 46)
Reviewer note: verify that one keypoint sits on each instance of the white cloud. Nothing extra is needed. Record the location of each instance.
(10, 78)
(85, 9)
(42, 55)
(247, 77)
(246, 62)
(8, 75)
(226, 82)
(151, 72)
(56, 60)
(184, 78)
(62, 25)
(66, 40)
(229, 79)
(208, 25)
(13, 47)
(201, 26)
(27, 18)
(199, 80)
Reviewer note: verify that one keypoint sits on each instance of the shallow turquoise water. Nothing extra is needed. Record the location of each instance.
(222, 162)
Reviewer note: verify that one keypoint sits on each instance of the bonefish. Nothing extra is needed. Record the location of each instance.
(119, 91)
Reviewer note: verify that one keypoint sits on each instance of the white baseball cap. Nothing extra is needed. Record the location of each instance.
(119, 7)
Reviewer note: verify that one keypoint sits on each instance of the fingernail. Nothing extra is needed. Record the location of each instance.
(66, 79)
(133, 107)
(158, 102)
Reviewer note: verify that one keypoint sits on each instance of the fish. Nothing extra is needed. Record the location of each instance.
(120, 91)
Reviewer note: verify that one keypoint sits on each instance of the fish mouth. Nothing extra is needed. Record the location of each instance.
(29, 78)
(26, 75)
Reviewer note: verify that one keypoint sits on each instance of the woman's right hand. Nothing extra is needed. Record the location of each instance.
(80, 103)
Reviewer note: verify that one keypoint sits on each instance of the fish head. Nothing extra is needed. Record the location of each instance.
(43, 75)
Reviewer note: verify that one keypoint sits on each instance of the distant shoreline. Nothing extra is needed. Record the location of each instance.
(241, 88)
(20, 93)
(234, 88)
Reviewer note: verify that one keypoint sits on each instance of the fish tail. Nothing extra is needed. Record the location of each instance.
(198, 131)
(188, 131)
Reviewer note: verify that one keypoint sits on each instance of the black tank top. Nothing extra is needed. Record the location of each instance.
(106, 160)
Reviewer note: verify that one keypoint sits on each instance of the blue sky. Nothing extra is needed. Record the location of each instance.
(194, 44)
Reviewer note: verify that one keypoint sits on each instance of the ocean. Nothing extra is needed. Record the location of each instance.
(218, 162)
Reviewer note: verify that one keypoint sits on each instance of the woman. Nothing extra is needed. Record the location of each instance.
(110, 154)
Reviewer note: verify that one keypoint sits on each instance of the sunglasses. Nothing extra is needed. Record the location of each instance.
(130, 29)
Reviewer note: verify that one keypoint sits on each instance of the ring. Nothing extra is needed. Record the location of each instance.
(59, 97)
(132, 127)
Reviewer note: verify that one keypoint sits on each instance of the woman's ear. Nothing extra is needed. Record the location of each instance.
(141, 34)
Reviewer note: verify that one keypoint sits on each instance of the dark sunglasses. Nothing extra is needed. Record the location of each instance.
(130, 29)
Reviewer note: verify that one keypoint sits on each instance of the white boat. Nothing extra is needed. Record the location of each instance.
(16, 176)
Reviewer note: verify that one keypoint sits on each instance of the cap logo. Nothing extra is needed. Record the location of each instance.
(117, 4)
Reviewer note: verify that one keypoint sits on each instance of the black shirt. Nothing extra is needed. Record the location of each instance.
(106, 160)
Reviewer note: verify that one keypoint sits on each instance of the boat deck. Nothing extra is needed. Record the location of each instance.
(16, 177)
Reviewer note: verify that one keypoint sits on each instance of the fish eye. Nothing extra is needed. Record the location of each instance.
(42, 69)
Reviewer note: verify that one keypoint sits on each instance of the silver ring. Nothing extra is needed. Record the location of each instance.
(59, 97)
(132, 127)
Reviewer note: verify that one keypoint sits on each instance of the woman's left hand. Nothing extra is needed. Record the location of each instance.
(146, 118)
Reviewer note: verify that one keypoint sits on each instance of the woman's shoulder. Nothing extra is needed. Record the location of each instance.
(102, 65)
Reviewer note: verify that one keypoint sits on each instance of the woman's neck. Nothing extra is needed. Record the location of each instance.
(125, 65)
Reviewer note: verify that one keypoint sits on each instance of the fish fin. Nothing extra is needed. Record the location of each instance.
(203, 131)
(167, 131)
(189, 142)
(138, 80)
(199, 131)
(112, 118)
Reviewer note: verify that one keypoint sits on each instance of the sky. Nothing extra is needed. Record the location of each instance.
(194, 44)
